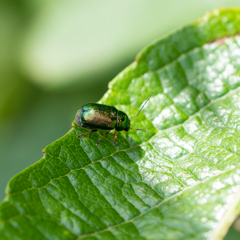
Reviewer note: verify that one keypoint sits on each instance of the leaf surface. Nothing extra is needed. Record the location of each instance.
(179, 182)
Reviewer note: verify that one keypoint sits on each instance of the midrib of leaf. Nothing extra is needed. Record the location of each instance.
(144, 138)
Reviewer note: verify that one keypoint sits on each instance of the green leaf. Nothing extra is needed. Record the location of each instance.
(179, 182)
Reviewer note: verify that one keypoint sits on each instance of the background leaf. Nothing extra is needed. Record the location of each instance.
(180, 182)
(65, 41)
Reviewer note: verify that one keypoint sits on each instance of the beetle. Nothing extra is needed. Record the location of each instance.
(95, 116)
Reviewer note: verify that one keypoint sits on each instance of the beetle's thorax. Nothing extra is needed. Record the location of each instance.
(123, 122)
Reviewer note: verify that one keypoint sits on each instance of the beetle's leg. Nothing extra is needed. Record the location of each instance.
(100, 139)
(86, 133)
(115, 137)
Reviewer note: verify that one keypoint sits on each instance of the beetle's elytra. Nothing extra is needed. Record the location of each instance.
(96, 116)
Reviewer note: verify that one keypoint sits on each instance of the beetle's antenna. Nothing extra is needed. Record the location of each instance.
(140, 129)
(141, 110)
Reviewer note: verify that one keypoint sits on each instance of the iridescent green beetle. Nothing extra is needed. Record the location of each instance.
(97, 116)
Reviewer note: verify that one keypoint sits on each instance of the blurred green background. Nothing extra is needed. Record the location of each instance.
(56, 55)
